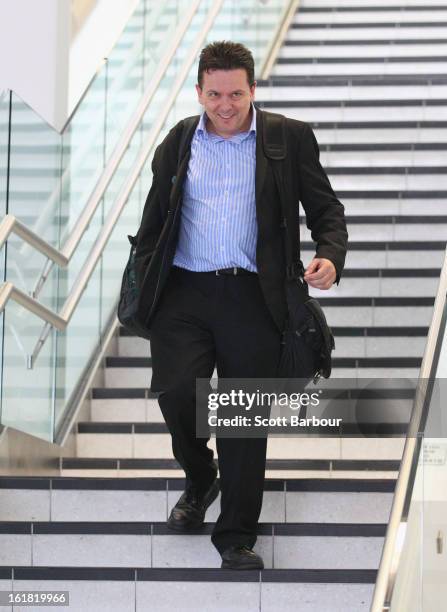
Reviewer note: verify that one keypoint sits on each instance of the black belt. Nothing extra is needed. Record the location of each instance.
(233, 271)
(229, 271)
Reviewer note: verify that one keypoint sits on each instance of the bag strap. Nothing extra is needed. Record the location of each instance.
(275, 149)
(189, 125)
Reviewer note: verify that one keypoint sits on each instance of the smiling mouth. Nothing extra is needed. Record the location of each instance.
(223, 116)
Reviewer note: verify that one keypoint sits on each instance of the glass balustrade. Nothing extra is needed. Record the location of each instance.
(53, 176)
(420, 584)
(4, 162)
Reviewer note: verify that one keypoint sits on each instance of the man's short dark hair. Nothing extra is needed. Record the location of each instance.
(226, 55)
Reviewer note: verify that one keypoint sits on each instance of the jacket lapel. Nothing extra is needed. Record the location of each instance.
(178, 179)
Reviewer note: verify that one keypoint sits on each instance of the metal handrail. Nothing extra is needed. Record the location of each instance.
(62, 257)
(9, 291)
(395, 533)
(278, 38)
(61, 320)
(11, 225)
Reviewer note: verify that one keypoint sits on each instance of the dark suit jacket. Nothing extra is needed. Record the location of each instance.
(305, 181)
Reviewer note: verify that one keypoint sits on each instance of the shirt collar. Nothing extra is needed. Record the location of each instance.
(201, 128)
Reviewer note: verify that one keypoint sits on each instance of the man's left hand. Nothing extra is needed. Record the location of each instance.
(320, 273)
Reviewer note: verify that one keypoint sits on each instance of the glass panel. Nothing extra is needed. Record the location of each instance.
(407, 593)
(76, 345)
(83, 155)
(35, 173)
(4, 131)
(434, 523)
(420, 582)
(4, 137)
(35, 154)
(27, 394)
(134, 61)
(125, 77)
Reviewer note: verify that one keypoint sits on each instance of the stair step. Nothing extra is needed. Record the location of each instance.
(120, 372)
(117, 499)
(368, 428)
(342, 367)
(353, 80)
(109, 393)
(369, 411)
(130, 589)
(359, 114)
(353, 87)
(349, 344)
(152, 545)
(364, 408)
(359, 312)
(159, 445)
(336, 132)
(314, 50)
(178, 473)
(150, 499)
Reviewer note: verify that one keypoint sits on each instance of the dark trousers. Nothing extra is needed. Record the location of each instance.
(205, 321)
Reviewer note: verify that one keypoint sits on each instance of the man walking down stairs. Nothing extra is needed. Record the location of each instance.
(370, 78)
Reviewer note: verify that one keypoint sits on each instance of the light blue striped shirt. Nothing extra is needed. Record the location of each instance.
(218, 227)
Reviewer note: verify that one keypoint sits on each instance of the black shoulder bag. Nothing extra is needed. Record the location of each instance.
(307, 340)
(131, 313)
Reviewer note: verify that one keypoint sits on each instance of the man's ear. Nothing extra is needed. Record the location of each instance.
(199, 91)
(253, 89)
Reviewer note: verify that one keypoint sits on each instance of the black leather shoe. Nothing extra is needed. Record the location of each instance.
(241, 558)
(189, 512)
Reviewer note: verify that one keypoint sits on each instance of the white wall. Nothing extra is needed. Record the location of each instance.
(43, 63)
(94, 42)
(34, 54)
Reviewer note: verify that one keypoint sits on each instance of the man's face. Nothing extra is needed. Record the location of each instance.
(226, 97)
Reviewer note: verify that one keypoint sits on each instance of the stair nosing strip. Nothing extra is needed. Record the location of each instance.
(124, 528)
(374, 24)
(373, 41)
(272, 464)
(347, 9)
(391, 59)
(100, 483)
(350, 576)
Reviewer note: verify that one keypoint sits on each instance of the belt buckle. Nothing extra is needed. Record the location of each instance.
(235, 271)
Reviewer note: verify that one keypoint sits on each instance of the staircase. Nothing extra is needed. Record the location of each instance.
(372, 81)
